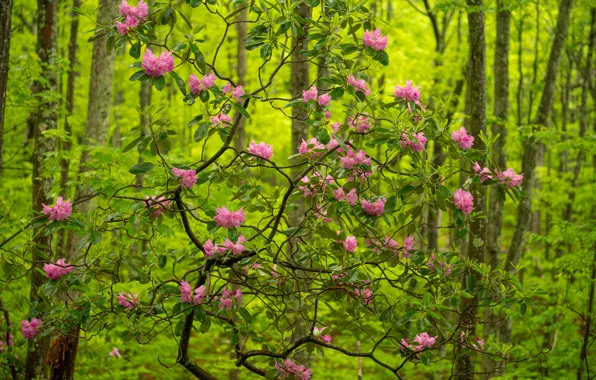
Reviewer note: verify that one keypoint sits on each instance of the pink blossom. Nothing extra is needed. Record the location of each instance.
(133, 16)
(225, 303)
(339, 194)
(187, 177)
(352, 197)
(237, 295)
(352, 159)
(142, 10)
(327, 113)
(324, 101)
(157, 66)
(315, 184)
(128, 300)
(274, 273)
(509, 178)
(289, 368)
(197, 299)
(408, 246)
(464, 201)
(375, 40)
(115, 353)
(409, 93)
(156, 206)
(424, 340)
(376, 208)
(350, 244)
(9, 341)
(30, 329)
(321, 214)
(318, 333)
(221, 120)
(335, 127)
(209, 248)
(480, 345)
(484, 173)
(405, 343)
(261, 150)
(310, 94)
(366, 295)
(462, 138)
(308, 147)
(236, 248)
(238, 93)
(227, 297)
(415, 146)
(229, 219)
(336, 277)
(185, 291)
(55, 271)
(196, 85)
(359, 85)
(122, 28)
(361, 124)
(61, 210)
(447, 268)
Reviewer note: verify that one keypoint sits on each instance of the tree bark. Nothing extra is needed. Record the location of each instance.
(464, 366)
(5, 34)
(44, 119)
(530, 146)
(241, 29)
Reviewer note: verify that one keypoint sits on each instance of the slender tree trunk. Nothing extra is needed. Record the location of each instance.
(464, 366)
(5, 34)
(45, 119)
(530, 147)
(241, 29)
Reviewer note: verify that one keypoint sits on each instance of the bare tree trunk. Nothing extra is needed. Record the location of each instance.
(241, 29)
(44, 119)
(5, 34)
(464, 366)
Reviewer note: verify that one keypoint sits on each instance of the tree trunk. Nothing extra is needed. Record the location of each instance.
(464, 366)
(5, 33)
(241, 29)
(44, 119)
(530, 147)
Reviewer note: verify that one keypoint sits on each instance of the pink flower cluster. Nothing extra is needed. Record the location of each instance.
(351, 197)
(9, 341)
(187, 177)
(360, 124)
(261, 150)
(237, 92)
(229, 219)
(393, 246)
(477, 347)
(314, 184)
(359, 85)
(374, 39)
(221, 120)
(350, 244)
(186, 293)
(321, 214)
(128, 300)
(313, 94)
(447, 268)
(157, 66)
(351, 159)
(509, 178)
(61, 210)
(205, 83)
(366, 295)
(30, 329)
(484, 173)
(156, 206)
(133, 16)
(376, 208)
(318, 333)
(55, 271)
(115, 353)
(312, 146)
(289, 368)
(227, 296)
(409, 93)
(424, 340)
(462, 138)
(464, 201)
(416, 146)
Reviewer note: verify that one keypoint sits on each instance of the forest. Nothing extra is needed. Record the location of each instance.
(297, 189)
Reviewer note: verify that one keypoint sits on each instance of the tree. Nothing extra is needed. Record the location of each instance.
(5, 33)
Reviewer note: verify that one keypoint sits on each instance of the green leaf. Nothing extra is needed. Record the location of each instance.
(204, 96)
(245, 315)
(266, 51)
(470, 282)
(382, 57)
(295, 231)
(135, 50)
(179, 82)
(337, 93)
(195, 120)
(241, 109)
(323, 136)
(138, 75)
(201, 132)
(159, 82)
(141, 168)
(162, 261)
(132, 144)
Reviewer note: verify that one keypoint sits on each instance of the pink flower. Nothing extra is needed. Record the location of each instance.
(321, 214)
(327, 113)
(187, 177)
(352, 197)
(227, 88)
(122, 28)
(335, 127)
(221, 120)
(61, 210)
(299, 372)
(415, 146)
(228, 219)
(156, 206)
(9, 341)
(339, 194)
(226, 299)
(366, 295)
(447, 268)
(237, 295)
(185, 291)
(261, 150)
(361, 124)
(30, 329)
(274, 273)
(315, 184)
(209, 248)
(310, 94)
(350, 244)
(352, 159)
(55, 271)
(142, 10)
(128, 300)
(324, 101)
(238, 93)
(359, 85)
(157, 66)
(115, 353)
(464, 201)
(199, 295)
(236, 248)
(318, 333)
(408, 246)
(424, 340)
(409, 93)
(375, 40)
(480, 345)
(484, 173)
(462, 139)
(307, 147)
(133, 16)
(405, 343)
(509, 178)
(376, 208)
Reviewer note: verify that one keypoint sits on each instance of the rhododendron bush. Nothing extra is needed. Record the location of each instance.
(288, 256)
